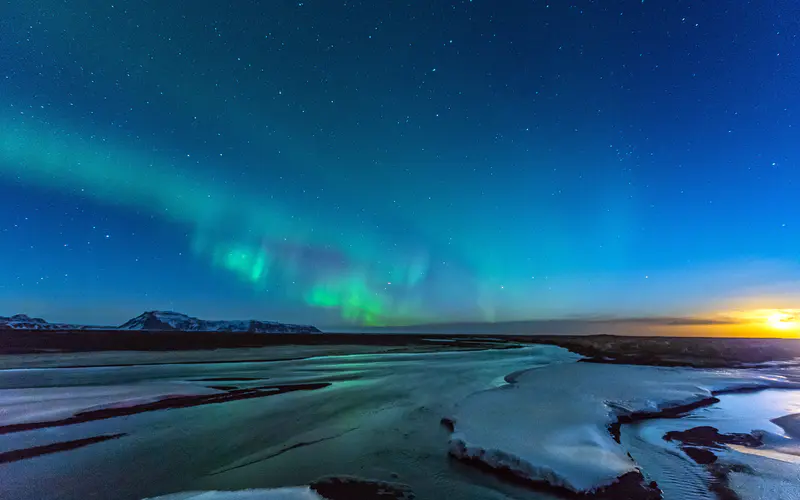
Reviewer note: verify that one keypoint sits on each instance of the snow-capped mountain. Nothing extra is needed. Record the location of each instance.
(25, 322)
(168, 320)
(161, 321)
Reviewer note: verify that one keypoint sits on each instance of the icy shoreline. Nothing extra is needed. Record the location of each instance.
(555, 424)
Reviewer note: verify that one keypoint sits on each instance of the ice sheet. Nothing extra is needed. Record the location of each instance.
(552, 425)
(53, 403)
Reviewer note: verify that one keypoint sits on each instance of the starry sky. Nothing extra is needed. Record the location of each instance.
(361, 164)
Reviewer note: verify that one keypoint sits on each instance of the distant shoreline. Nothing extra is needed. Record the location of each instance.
(656, 351)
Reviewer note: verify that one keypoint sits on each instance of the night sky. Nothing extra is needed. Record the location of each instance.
(375, 163)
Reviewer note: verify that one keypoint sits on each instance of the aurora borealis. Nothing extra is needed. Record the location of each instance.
(381, 163)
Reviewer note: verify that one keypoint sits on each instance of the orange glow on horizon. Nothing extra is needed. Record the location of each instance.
(783, 321)
(762, 323)
(753, 323)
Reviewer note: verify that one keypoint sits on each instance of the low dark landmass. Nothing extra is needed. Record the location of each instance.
(657, 351)
(38, 341)
(700, 455)
(674, 351)
(710, 437)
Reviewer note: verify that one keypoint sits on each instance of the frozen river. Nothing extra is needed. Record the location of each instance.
(379, 418)
(287, 422)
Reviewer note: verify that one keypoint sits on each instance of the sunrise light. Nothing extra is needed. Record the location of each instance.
(783, 321)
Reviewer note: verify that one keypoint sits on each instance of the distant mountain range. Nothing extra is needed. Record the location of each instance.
(25, 322)
(162, 321)
(168, 320)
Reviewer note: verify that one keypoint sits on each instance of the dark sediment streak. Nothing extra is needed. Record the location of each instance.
(284, 450)
(350, 487)
(164, 404)
(17, 455)
(227, 379)
(192, 362)
(512, 377)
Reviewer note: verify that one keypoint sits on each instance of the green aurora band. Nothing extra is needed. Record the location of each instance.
(233, 230)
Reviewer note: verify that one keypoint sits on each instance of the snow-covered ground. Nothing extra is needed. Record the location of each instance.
(552, 424)
(42, 404)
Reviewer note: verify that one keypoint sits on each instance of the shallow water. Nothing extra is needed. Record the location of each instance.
(747, 412)
(681, 478)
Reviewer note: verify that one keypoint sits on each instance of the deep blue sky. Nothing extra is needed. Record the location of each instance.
(398, 162)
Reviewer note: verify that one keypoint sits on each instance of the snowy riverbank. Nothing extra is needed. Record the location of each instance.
(552, 424)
